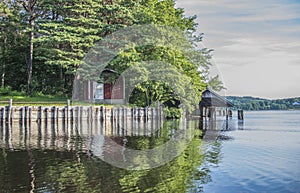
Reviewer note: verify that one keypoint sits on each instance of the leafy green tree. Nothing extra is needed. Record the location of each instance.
(13, 47)
(215, 83)
(47, 40)
(72, 28)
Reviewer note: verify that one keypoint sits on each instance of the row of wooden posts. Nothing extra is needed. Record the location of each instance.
(70, 113)
(211, 112)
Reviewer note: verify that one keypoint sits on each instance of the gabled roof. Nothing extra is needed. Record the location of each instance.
(212, 99)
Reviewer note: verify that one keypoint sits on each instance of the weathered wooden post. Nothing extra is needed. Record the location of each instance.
(201, 118)
(21, 116)
(226, 127)
(101, 114)
(139, 114)
(230, 113)
(144, 122)
(133, 121)
(63, 115)
(139, 121)
(8, 111)
(46, 115)
(116, 122)
(57, 121)
(29, 114)
(53, 115)
(145, 114)
(11, 110)
(240, 114)
(119, 124)
(72, 114)
(153, 128)
(39, 114)
(123, 118)
(2, 111)
(26, 117)
(67, 112)
(39, 123)
(96, 113)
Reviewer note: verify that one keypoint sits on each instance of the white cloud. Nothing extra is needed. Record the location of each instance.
(256, 43)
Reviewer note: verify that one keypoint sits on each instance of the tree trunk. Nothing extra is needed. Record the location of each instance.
(30, 58)
(3, 62)
(29, 6)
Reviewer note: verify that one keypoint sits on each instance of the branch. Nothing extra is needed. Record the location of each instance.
(33, 4)
(24, 6)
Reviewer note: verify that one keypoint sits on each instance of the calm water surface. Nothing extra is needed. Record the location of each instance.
(260, 155)
(263, 155)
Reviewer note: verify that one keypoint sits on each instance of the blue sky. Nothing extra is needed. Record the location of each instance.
(256, 44)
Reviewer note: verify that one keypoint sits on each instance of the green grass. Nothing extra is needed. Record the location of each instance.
(43, 101)
(38, 99)
(33, 101)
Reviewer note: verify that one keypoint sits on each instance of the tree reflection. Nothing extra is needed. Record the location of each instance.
(76, 170)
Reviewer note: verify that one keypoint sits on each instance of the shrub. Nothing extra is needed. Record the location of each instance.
(172, 112)
(6, 91)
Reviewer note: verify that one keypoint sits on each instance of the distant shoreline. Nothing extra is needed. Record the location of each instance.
(252, 103)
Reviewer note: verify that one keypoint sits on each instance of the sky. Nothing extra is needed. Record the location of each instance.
(256, 44)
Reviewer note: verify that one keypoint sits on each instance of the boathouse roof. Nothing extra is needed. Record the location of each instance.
(212, 99)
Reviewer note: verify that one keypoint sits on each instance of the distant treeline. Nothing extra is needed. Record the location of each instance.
(251, 103)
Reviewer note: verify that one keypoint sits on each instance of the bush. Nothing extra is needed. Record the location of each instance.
(6, 91)
(172, 112)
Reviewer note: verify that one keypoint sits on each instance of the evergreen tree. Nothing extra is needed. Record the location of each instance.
(48, 39)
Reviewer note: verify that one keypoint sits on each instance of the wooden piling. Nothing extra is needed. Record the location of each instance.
(39, 114)
(8, 111)
(230, 113)
(240, 114)
(2, 111)
(121, 118)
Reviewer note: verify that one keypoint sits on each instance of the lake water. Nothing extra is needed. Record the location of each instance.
(262, 154)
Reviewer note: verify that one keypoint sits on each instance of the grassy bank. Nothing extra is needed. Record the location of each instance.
(36, 99)
(33, 101)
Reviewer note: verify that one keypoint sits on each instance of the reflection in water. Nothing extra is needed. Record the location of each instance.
(60, 157)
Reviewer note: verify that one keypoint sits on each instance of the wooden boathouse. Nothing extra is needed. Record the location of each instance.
(210, 102)
(102, 92)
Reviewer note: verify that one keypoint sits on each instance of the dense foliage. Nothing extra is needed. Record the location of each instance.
(251, 103)
(42, 42)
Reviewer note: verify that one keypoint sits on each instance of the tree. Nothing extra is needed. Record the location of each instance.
(215, 83)
(13, 41)
(71, 28)
(5, 13)
(56, 35)
(31, 15)
(190, 60)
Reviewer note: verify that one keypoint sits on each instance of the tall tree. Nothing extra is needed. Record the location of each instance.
(72, 28)
(55, 35)
(31, 15)
(12, 42)
(4, 14)
(194, 63)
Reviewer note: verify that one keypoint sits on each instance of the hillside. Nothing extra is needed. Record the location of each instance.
(252, 103)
